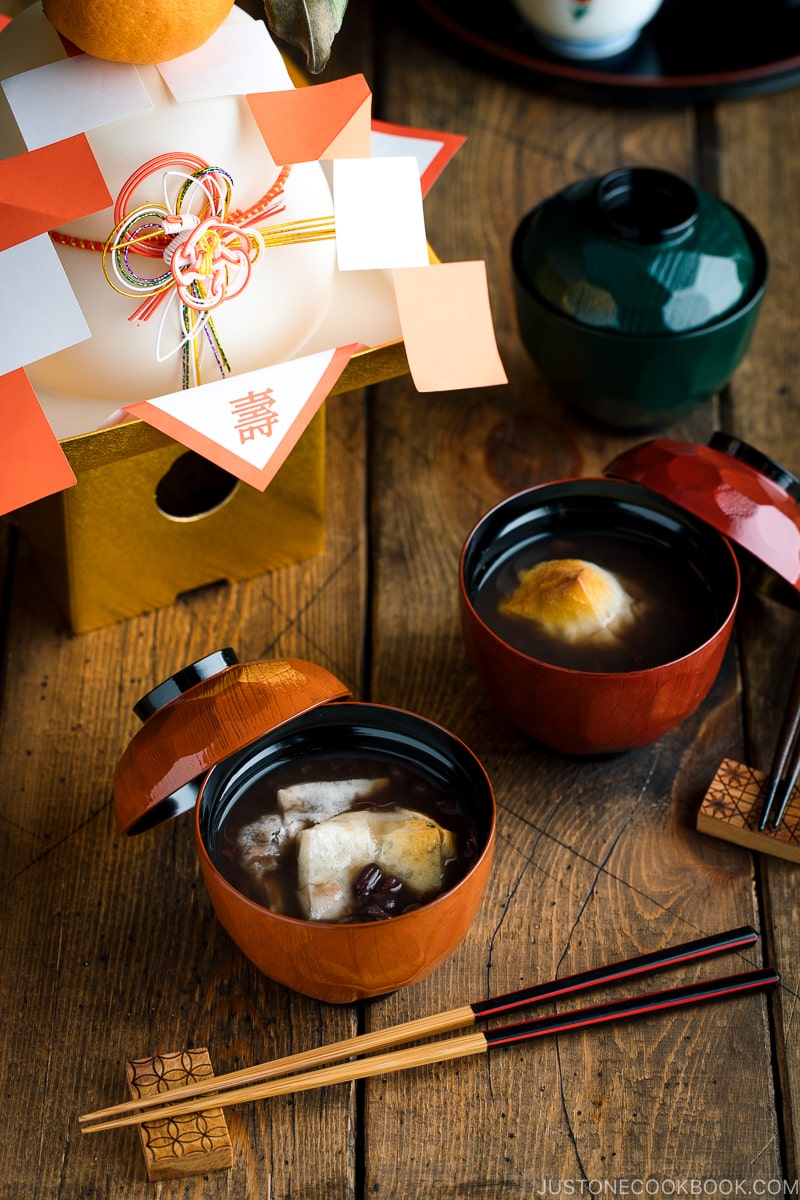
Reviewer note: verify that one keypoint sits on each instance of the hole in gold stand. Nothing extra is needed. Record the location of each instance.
(193, 487)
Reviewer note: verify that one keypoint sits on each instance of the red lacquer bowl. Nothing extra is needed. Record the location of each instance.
(585, 712)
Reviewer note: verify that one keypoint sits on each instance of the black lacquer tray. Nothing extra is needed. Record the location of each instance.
(690, 51)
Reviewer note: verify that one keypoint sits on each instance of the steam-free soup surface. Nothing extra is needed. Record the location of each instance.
(257, 848)
(673, 608)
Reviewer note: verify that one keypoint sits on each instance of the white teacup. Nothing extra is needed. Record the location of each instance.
(587, 29)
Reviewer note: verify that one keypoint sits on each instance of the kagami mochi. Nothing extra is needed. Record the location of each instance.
(270, 301)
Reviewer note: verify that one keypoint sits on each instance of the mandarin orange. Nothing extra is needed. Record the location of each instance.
(137, 31)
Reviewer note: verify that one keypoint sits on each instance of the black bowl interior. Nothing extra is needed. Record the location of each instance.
(572, 507)
(347, 729)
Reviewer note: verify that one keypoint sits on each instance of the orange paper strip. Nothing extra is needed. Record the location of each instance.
(446, 321)
(32, 464)
(326, 120)
(44, 188)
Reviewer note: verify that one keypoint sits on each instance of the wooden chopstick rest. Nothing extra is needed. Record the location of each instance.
(732, 810)
(178, 1146)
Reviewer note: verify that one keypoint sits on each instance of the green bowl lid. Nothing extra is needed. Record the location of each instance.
(638, 251)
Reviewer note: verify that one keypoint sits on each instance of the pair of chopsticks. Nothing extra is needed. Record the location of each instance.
(250, 1083)
(786, 760)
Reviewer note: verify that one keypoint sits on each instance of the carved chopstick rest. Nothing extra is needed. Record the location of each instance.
(179, 1146)
(732, 810)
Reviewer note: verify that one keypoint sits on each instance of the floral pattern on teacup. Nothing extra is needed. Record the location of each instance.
(579, 8)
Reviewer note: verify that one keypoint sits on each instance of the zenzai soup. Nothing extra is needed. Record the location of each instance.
(674, 608)
(263, 828)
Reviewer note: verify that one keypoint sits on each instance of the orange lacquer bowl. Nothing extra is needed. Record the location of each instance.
(337, 963)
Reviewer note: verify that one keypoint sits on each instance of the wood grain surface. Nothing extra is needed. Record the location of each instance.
(109, 950)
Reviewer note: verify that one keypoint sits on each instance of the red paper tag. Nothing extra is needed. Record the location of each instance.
(45, 188)
(32, 464)
(328, 120)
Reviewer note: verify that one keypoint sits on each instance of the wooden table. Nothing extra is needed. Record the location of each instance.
(109, 949)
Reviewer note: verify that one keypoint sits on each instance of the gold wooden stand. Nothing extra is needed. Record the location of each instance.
(175, 1147)
(732, 808)
(109, 551)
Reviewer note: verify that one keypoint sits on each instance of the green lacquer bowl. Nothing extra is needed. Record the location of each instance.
(637, 295)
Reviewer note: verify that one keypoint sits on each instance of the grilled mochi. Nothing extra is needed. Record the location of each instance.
(571, 599)
(403, 843)
(314, 801)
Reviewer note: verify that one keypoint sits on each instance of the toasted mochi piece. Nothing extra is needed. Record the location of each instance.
(317, 800)
(260, 845)
(416, 850)
(402, 842)
(571, 599)
(328, 854)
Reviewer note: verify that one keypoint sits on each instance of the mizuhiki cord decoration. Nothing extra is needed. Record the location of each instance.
(207, 249)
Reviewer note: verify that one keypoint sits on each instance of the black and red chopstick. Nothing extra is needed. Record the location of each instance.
(785, 767)
(636, 1006)
(459, 1018)
(448, 1049)
(672, 956)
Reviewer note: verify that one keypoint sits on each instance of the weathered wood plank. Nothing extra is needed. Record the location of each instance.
(109, 948)
(760, 173)
(595, 860)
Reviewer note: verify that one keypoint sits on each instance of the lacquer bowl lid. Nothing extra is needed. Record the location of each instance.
(201, 715)
(743, 494)
(638, 251)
